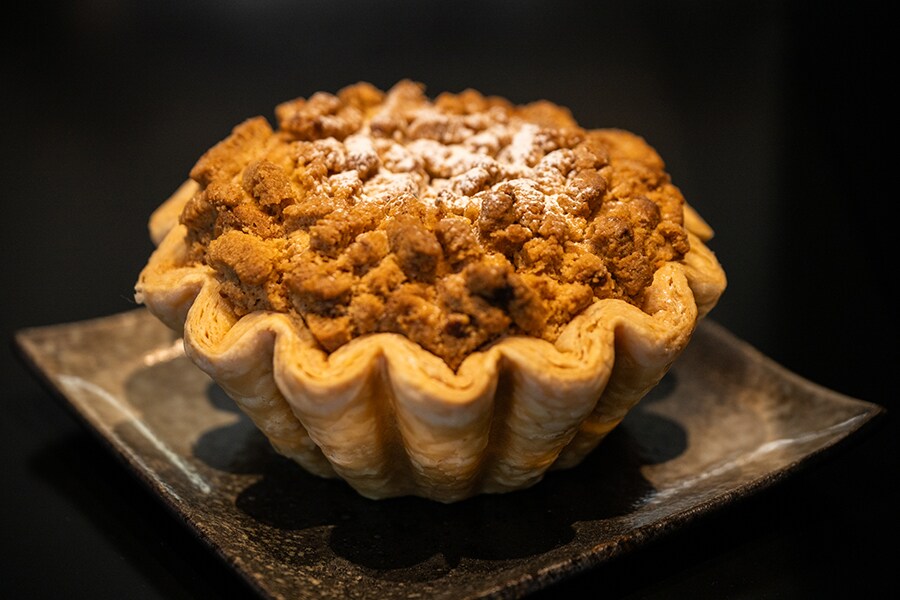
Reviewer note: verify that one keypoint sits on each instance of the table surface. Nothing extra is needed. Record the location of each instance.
(770, 129)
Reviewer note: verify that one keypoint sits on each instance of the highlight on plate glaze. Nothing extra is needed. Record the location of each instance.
(78, 386)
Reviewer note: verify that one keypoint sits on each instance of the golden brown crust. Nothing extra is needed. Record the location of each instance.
(452, 222)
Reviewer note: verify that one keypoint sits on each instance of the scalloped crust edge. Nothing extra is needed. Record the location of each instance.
(392, 419)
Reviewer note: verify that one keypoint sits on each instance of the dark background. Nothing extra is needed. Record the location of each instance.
(773, 119)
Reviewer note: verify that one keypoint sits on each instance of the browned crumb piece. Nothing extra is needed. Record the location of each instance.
(269, 185)
(323, 115)
(246, 265)
(229, 157)
(453, 222)
(416, 248)
(458, 242)
(319, 288)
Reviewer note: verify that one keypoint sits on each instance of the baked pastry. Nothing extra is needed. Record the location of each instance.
(430, 297)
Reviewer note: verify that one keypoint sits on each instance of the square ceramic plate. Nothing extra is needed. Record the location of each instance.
(724, 423)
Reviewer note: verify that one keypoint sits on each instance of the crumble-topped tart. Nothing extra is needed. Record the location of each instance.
(519, 265)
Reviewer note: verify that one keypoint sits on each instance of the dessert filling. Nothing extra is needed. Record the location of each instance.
(452, 221)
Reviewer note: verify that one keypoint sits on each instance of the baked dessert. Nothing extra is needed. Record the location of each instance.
(430, 297)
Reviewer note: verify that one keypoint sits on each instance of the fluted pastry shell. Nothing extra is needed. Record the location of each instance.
(392, 419)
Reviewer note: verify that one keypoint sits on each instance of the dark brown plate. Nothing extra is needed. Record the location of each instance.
(724, 423)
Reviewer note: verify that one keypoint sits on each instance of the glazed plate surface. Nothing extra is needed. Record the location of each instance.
(724, 423)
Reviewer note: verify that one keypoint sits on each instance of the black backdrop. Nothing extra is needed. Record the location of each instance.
(772, 118)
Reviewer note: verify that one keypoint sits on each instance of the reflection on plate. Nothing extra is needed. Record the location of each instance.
(724, 423)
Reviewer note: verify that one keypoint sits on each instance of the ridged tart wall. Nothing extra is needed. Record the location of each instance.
(392, 419)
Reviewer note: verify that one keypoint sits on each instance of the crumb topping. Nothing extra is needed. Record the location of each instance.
(453, 222)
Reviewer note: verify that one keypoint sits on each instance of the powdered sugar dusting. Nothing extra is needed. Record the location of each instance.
(452, 159)
(523, 147)
(386, 187)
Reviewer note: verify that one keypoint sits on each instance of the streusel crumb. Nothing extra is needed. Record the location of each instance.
(453, 222)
